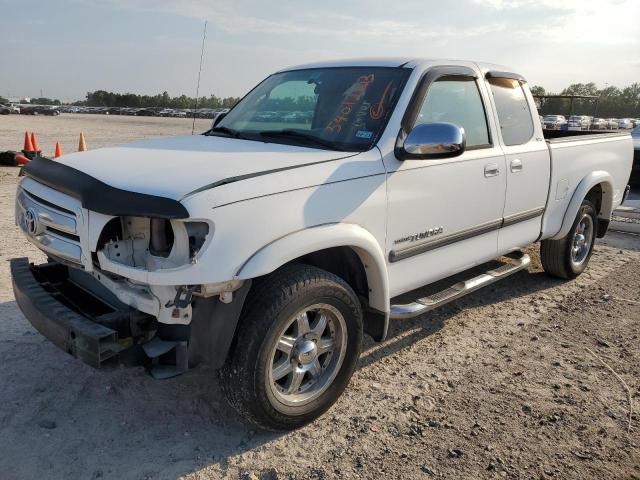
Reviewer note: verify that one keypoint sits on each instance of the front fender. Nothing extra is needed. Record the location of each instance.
(296, 244)
(601, 178)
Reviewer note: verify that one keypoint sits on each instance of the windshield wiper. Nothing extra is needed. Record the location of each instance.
(229, 131)
(301, 135)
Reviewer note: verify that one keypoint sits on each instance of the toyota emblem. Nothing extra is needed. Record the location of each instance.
(31, 221)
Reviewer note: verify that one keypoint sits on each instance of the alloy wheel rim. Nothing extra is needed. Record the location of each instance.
(582, 240)
(308, 355)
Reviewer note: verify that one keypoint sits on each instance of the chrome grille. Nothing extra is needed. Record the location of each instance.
(52, 228)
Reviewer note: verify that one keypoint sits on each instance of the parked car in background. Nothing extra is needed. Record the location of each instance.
(554, 122)
(49, 110)
(599, 124)
(13, 108)
(40, 110)
(28, 110)
(171, 112)
(625, 124)
(67, 109)
(579, 122)
(4, 109)
(204, 112)
(145, 112)
(218, 114)
(612, 123)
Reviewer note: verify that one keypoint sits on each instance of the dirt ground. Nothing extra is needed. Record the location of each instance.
(497, 385)
(99, 130)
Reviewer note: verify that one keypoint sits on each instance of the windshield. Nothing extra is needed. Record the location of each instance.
(334, 108)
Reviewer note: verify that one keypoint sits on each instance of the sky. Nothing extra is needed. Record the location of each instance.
(65, 48)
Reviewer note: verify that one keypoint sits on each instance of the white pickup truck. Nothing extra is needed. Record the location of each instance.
(266, 246)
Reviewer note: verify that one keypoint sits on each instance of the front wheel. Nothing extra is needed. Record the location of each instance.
(297, 346)
(568, 257)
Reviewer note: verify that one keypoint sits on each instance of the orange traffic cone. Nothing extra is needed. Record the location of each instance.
(28, 146)
(82, 146)
(34, 143)
(58, 150)
(28, 149)
(21, 160)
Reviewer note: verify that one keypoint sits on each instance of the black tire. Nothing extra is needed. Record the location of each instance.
(556, 254)
(269, 308)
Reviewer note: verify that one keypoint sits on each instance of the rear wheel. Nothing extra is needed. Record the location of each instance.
(296, 348)
(569, 256)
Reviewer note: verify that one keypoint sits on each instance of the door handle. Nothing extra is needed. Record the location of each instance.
(516, 166)
(491, 170)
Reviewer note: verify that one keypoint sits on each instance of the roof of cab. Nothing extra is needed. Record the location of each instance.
(354, 62)
(409, 62)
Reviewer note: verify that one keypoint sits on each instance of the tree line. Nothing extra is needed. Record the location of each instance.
(102, 98)
(608, 102)
(289, 104)
(35, 101)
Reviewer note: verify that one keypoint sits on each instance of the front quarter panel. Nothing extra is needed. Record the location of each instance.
(349, 191)
(297, 244)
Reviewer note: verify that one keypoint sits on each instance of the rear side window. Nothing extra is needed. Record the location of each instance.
(456, 100)
(514, 115)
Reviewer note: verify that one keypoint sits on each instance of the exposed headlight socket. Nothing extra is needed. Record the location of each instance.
(197, 233)
(161, 241)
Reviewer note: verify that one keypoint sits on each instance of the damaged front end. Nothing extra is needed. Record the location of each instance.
(131, 248)
(196, 323)
(117, 283)
(76, 314)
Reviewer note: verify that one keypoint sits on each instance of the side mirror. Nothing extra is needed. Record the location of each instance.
(432, 140)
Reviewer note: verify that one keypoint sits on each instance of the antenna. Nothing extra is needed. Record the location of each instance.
(204, 36)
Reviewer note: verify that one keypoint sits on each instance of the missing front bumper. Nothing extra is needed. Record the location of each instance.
(65, 308)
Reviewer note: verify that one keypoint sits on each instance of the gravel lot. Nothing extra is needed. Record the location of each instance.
(99, 130)
(497, 385)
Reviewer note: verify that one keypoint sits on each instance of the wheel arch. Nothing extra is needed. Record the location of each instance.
(598, 187)
(321, 246)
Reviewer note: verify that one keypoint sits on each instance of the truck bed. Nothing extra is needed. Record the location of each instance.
(556, 135)
(573, 156)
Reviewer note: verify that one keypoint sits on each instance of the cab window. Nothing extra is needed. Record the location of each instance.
(457, 100)
(514, 116)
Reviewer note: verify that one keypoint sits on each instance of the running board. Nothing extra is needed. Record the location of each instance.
(520, 262)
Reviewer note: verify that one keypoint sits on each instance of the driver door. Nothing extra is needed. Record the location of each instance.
(444, 214)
